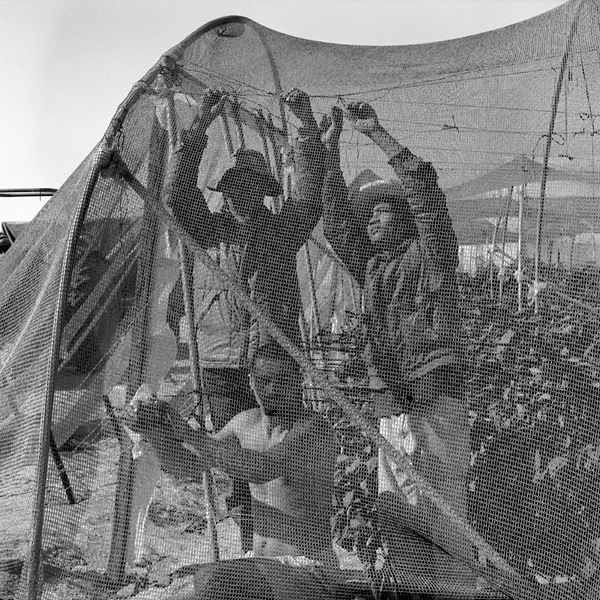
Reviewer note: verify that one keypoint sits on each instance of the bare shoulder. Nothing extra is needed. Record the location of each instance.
(240, 424)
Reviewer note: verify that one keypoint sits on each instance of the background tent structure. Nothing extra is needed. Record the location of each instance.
(495, 215)
(496, 197)
(85, 294)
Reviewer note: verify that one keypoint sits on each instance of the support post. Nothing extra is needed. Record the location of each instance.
(187, 279)
(115, 571)
(520, 249)
(492, 253)
(201, 401)
(504, 232)
(540, 217)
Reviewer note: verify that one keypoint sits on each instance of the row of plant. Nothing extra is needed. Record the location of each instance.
(533, 387)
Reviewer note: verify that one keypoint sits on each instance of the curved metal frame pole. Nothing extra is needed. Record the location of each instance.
(33, 579)
(275, 74)
(125, 477)
(557, 91)
(115, 570)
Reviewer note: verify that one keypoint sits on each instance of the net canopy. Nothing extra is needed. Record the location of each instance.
(316, 321)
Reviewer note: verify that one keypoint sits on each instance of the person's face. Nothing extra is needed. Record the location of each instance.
(276, 383)
(384, 229)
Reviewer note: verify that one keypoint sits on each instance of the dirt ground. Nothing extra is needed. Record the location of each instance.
(77, 537)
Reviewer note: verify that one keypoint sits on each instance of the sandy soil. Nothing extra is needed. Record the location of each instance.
(77, 537)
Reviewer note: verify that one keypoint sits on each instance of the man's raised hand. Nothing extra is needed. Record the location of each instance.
(211, 106)
(299, 103)
(363, 117)
(331, 127)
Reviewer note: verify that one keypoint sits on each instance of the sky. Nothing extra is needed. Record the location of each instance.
(66, 65)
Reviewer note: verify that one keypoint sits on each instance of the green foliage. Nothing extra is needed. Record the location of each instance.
(355, 527)
(533, 386)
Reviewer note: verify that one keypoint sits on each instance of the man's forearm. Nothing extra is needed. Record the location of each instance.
(198, 443)
(248, 465)
(390, 146)
(303, 208)
(182, 193)
(176, 460)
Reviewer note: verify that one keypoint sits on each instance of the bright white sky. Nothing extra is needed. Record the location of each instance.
(67, 64)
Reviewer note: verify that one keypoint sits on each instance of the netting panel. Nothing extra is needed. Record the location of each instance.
(434, 431)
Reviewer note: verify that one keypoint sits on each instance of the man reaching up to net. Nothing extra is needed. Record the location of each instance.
(283, 450)
(253, 246)
(396, 238)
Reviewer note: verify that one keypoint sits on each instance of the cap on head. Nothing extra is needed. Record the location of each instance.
(249, 172)
(368, 189)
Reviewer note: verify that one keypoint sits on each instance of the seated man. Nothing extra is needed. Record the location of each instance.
(270, 447)
(285, 452)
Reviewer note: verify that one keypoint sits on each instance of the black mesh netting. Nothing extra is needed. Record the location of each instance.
(316, 321)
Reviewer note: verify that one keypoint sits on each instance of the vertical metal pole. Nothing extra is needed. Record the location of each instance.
(540, 218)
(275, 147)
(261, 124)
(313, 293)
(238, 125)
(115, 571)
(520, 248)
(503, 258)
(492, 253)
(226, 135)
(187, 277)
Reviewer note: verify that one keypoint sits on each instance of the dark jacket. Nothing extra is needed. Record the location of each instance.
(411, 306)
(260, 254)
